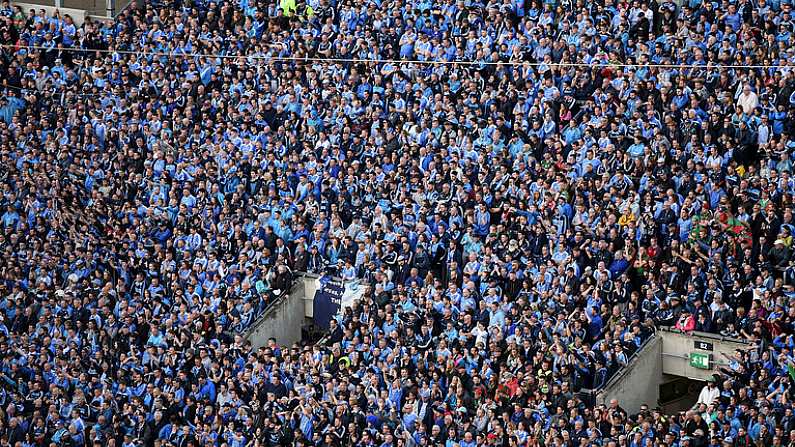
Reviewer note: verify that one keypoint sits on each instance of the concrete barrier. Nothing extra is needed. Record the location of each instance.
(79, 10)
(283, 320)
(79, 15)
(678, 347)
(639, 382)
(311, 284)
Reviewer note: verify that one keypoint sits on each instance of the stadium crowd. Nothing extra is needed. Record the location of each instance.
(529, 189)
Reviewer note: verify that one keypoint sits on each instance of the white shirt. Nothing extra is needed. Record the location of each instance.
(748, 101)
(708, 395)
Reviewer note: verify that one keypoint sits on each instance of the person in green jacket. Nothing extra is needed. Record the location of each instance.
(288, 6)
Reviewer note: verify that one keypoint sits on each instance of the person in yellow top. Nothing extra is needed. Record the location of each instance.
(288, 7)
(296, 8)
(305, 10)
(626, 218)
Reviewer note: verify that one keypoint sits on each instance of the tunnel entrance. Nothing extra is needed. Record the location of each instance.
(679, 393)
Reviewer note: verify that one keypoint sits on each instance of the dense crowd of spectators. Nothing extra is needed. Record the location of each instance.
(528, 189)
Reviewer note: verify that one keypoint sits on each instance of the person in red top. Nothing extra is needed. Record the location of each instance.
(686, 322)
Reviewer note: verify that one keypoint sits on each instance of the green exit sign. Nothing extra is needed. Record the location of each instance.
(699, 360)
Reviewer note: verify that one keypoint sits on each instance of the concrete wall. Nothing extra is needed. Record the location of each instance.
(666, 355)
(283, 320)
(677, 348)
(79, 9)
(311, 284)
(79, 15)
(639, 382)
